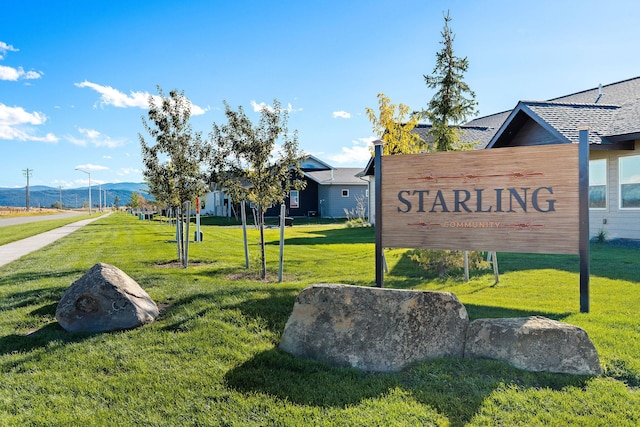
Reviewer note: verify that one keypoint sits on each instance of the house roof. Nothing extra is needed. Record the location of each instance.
(338, 176)
(560, 119)
(614, 94)
(476, 134)
(611, 112)
(310, 163)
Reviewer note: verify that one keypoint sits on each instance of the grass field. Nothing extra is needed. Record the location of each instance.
(212, 358)
(12, 233)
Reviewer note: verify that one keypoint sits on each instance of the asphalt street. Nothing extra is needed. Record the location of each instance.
(34, 218)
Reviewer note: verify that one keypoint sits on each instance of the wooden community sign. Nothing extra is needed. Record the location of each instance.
(520, 199)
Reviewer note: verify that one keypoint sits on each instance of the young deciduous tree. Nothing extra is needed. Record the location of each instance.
(395, 128)
(453, 101)
(257, 163)
(172, 162)
(136, 201)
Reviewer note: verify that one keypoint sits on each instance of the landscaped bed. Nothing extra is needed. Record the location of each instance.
(212, 358)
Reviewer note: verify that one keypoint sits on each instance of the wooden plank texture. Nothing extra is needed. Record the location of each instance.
(519, 199)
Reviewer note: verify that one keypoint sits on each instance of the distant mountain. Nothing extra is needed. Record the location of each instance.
(43, 196)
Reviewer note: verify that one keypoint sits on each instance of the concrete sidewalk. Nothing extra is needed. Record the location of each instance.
(15, 250)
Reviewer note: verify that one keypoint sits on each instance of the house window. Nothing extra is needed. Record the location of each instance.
(630, 182)
(345, 192)
(598, 184)
(294, 199)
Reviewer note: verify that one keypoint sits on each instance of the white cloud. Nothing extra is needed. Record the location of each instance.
(259, 107)
(198, 111)
(359, 153)
(15, 74)
(9, 73)
(90, 167)
(15, 124)
(341, 115)
(290, 108)
(32, 75)
(4, 48)
(111, 96)
(95, 138)
(128, 171)
(263, 106)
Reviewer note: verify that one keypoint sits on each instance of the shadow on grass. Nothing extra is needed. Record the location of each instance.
(454, 387)
(407, 274)
(273, 310)
(332, 236)
(12, 279)
(39, 339)
(488, 312)
(32, 297)
(616, 263)
(607, 261)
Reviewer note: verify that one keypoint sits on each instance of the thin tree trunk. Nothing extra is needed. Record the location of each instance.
(187, 215)
(263, 271)
(178, 234)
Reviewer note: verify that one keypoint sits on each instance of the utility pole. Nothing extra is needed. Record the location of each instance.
(88, 173)
(27, 172)
(60, 188)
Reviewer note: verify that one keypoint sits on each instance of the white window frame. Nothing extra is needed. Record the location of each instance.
(345, 192)
(606, 184)
(294, 199)
(620, 183)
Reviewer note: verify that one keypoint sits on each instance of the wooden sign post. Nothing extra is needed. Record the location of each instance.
(531, 199)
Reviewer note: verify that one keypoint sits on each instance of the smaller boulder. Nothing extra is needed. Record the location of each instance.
(105, 299)
(534, 344)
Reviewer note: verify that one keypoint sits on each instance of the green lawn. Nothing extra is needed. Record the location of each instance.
(12, 233)
(212, 357)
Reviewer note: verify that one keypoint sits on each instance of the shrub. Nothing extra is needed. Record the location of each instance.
(446, 262)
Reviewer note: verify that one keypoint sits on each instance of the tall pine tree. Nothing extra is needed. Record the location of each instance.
(453, 101)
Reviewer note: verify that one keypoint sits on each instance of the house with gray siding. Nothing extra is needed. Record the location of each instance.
(341, 192)
(330, 192)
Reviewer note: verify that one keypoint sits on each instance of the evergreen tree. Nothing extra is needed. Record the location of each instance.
(453, 101)
(450, 106)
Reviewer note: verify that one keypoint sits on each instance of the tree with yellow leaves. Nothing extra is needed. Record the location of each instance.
(394, 125)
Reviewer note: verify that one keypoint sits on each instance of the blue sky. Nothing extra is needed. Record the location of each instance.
(75, 75)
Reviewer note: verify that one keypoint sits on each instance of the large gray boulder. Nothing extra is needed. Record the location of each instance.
(105, 299)
(374, 329)
(533, 344)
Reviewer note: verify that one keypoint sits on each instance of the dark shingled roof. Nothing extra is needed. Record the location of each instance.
(613, 94)
(568, 118)
(478, 135)
(627, 120)
(611, 112)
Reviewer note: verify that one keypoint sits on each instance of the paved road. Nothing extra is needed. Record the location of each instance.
(14, 220)
(14, 250)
